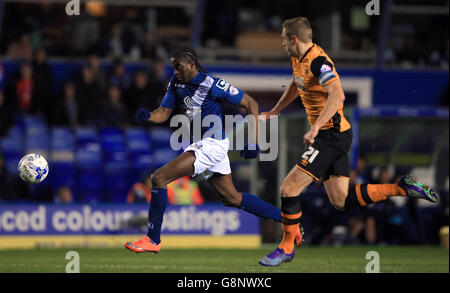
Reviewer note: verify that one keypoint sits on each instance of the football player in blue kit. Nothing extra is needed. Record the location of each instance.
(202, 94)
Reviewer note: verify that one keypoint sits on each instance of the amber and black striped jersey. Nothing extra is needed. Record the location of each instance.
(310, 74)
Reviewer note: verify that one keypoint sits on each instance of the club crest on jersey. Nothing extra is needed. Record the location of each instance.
(325, 68)
(222, 84)
(189, 102)
(233, 91)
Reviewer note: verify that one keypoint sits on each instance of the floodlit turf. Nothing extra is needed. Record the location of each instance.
(399, 259)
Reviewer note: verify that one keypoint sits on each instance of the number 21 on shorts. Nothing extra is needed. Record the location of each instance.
(310, 154)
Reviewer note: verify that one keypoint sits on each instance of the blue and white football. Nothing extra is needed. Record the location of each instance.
(33, 168)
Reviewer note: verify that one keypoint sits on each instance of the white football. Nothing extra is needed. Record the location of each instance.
(33, 168)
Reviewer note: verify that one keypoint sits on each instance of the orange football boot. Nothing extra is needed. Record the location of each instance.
(143, 245)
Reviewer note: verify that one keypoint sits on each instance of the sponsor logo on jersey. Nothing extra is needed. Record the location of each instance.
(189, 102)
(203, 91)
(233, 91)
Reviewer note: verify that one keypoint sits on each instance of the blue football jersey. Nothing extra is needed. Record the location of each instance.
(203, 97)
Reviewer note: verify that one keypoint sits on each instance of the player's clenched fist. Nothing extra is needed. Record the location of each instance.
(142, 115)
(309, 137)
(266, 115)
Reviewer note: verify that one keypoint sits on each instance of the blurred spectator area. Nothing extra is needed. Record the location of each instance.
(106, 28)
(415, 33)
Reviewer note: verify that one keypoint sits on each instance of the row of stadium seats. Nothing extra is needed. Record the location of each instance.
(90, 161)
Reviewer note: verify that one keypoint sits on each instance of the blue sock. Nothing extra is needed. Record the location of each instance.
(158, 204)
(260, 208)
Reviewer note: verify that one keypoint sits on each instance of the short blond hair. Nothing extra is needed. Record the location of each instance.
(300, 27)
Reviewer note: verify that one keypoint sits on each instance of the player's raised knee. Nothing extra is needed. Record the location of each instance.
(158, 179)
(338, 204)
(286, 190)
(231, 200)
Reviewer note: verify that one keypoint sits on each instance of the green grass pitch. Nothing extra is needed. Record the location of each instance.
(397, 259)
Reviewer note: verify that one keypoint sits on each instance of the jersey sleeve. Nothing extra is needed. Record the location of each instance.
(169, 99)
(323, 70)
(224, 91)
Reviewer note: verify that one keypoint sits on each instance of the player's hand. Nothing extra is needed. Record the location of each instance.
(250, 154)
(142, 115)
(266, 115)
(309, 137)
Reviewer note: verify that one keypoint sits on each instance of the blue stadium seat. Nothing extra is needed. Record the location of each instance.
(62, 174)
(88, 159)
(34, 125)
(162, 156)
(30, 121)
(117, 196)
(61, 132)
(12, 150)
(113, 144)
(89, 170)
(160, 136)
(36, 143)
(62, 139)
(90, 180)
(137, 145)
(87, 137)
(15, 132)
(61, 145)
(136, 174)
(135, 132)
(142, 159)
(41, 191)
(140, 149)
(12, 146)
(90, 196)
(11, 164)
(117, 184)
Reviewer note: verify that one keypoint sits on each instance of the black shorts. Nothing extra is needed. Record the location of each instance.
(328, 155)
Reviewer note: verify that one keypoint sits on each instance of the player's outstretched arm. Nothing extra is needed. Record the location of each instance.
(252, 109)
(289, 95)
(159, 115)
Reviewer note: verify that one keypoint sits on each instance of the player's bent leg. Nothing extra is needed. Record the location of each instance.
(181, 166)
(364, 194)
(292, 186)
(223, 184)
(294, 183)
(290, 191)
(337, 188)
